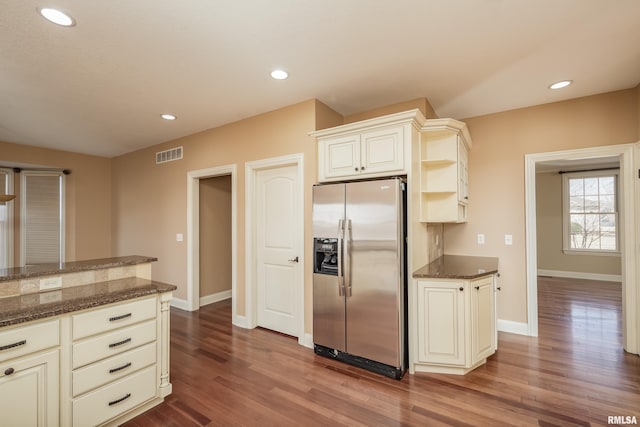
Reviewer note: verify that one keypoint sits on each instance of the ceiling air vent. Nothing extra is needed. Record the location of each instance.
(168, 155)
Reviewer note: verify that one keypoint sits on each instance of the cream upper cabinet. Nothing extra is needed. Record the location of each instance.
(29, 375)
(444, 171)
(340, 157)
(368, 149)
(456, 324)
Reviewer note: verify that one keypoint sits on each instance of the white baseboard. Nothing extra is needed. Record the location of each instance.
(513, 327)
(219, 296)
(180, 303)
(579, 275)
(306, 340)
(240, 321)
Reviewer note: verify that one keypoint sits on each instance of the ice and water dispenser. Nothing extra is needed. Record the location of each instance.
(325, 259)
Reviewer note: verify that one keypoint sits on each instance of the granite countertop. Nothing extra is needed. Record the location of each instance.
(25, 308)
(458, 267)
(9, 274)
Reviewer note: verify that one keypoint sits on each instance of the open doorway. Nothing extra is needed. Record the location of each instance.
(215, 239)
(623, 154)
(194, 235)
(578, 253)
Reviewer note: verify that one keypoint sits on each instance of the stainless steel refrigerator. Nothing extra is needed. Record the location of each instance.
(359, 279)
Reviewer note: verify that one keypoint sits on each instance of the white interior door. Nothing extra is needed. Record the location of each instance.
(278, 228)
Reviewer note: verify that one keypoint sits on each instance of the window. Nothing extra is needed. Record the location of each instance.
(591, 212)
(42, 217)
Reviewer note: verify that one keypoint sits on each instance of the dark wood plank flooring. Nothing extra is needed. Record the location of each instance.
(574, 374)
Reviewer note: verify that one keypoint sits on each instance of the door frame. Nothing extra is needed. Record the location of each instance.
(631, 232)
(251, 290)
(193, 233)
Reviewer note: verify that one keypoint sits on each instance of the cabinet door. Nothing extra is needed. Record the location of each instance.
(29, 390)
(338, 157)
(441, 322)
(463, 174)
(383, 150)
(482, 319)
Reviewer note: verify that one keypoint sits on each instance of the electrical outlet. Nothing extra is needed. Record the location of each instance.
(49, 283)
(508, 239)
(481, 239)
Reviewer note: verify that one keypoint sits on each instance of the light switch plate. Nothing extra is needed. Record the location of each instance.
(179, 237)
(508, 239)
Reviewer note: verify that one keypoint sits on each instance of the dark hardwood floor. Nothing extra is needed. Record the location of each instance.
(574, 374)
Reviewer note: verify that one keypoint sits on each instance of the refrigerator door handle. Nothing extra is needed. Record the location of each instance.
(347, 257)
(340, 258)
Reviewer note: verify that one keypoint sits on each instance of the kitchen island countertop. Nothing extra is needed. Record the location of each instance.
(25, 308)
(17, 273)
(458, 267)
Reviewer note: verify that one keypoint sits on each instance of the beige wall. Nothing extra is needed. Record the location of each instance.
(149, 200)
(88, 197)
(215, 235)
(496, 175)
(420, 103)
(549, 229)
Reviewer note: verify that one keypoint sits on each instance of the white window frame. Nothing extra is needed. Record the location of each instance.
(8, 242)
(23, 211)
(566, 214)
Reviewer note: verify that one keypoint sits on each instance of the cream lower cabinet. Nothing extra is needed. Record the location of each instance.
(100, 366)
(119, 363)
(29, 375)
(456, 324)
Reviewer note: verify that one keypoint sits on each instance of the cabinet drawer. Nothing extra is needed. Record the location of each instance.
(112, 317)
(112, 343)
(29, 339)
(113, 368)
(114, 399)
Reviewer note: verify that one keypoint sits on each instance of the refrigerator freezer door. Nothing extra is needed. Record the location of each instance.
(328, 210)
(328, 301)
(375, 283)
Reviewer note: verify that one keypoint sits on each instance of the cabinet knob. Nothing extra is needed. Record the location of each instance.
(356, 169)
(499, 288)
(477, 288)
(9, 371)
(362, 168)
(461, 289)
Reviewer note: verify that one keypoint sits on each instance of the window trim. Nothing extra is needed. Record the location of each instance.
(566, 248)
(23, 211)
(9, 242)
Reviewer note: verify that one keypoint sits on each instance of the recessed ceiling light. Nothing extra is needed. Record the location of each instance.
(57, 17)
(560, 84)
(168, 116)
(279, 74)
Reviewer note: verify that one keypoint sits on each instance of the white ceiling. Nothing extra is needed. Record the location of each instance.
(100, 87)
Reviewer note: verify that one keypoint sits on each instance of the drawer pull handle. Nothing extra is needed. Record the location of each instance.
(14, 345)
(120, 368)
(9, 371)
(119, 343)
(114, 318)
(122, 399)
